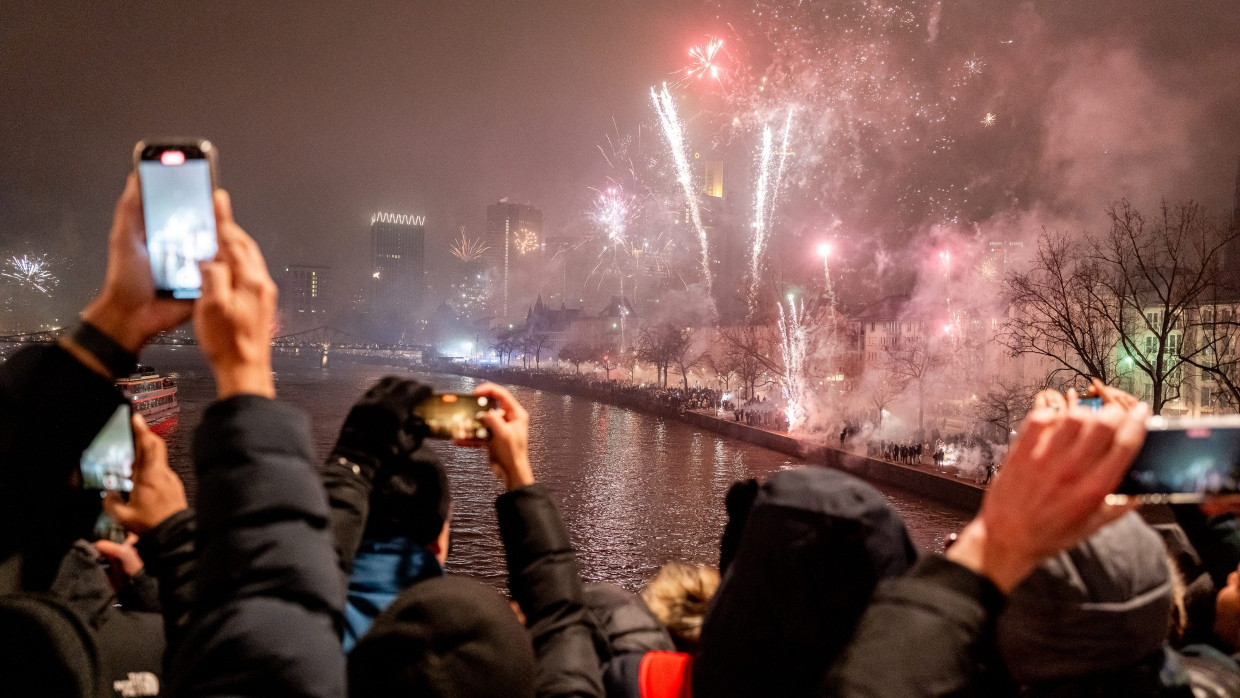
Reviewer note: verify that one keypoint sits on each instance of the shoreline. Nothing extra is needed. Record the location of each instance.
(945, 489)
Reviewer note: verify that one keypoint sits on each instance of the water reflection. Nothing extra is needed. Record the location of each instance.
(635, 490)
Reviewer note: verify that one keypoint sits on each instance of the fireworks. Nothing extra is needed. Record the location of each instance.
(793, 347)
(673, 130)
(612, 213)
(30, 273)
(467, 249)
(765, 199)
(705, 60)
(989, 119)
(525, 241)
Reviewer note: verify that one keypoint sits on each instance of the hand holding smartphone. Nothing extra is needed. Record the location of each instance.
(177, 178)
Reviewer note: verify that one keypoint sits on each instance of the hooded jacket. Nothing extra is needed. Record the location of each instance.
(381, 571)
(816, 543)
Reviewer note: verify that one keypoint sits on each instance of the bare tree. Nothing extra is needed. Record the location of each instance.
(753, 350)
(723, 364)
(1212, 344)
(537, 342)
(883, 387)
(606, 357)
(506, 342)
(1054, 312)
(1004, 404)
(1159, 271)
(917, 362)
(660, 344)
(687, 354)
(576, 353)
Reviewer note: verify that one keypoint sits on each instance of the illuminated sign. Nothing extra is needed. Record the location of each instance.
(397, 218)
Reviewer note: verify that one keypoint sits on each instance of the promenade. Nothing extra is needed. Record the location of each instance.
(922, 480)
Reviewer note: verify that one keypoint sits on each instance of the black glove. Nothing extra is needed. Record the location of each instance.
(382, 425)
(738, 501)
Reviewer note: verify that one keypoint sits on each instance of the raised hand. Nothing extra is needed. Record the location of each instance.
(157, 491)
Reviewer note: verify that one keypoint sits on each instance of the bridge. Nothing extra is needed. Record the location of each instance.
(323, 340)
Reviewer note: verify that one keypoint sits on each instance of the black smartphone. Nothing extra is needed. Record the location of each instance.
(107, 463)
(1185, 460)
(177, 177)
(454, 415)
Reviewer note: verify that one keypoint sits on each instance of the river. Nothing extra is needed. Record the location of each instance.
(635, 490)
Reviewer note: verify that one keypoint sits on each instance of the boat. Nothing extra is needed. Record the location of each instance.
(151, 394)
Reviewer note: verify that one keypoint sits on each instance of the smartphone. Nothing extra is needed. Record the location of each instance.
(107, 463)
(177, 178)
(454, 415)
(1093, 403)
(1185, 460)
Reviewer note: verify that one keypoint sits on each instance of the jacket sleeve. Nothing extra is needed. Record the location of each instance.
(348, 497)
(267, 599)
(51, 408)
(924, 634)
(168, 554)
(543, 579)
(1215, 538)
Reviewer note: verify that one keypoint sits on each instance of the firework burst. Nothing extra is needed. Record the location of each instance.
(766, 196)
(794, 349)
(612, 213)
(468, 249)
(30, 273)
(526, 241)
(704, 60)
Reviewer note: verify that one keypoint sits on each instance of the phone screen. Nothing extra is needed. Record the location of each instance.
(453, 415)
(180, 217)
(107, 463)
(1199, 459)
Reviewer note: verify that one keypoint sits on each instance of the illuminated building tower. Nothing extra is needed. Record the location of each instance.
(513, 231)
(397, 246)
(713, 180)
(304, 290)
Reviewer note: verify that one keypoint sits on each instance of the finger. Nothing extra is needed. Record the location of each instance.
(116, 507)
(216, 283)
(495, 423)
(150, 450)
(107, 548)
(1105, 477)
(131, 539)
(513, 410)
(127, 218)
(223, 207)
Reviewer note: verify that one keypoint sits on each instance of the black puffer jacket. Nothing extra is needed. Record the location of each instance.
(267, 596)
(543, 579)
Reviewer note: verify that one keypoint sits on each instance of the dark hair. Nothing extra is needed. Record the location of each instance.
(410, 499)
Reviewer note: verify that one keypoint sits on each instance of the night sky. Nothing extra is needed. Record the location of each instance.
(326, 112)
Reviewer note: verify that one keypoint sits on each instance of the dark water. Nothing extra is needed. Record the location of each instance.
(635, 490)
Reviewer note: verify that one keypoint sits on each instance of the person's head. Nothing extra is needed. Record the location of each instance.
(410, 499)
(679, 596)
(1098, 608)
(445, 636)
(1227, 612)
(816, 543)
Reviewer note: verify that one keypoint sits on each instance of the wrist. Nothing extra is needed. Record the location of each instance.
(520, 474)
(116, 323)
(244, 380)
(977, 550)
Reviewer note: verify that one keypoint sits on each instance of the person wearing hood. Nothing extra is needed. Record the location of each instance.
(815, 544)
(1094, 619)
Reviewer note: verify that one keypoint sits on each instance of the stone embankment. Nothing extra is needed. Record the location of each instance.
(923, 481)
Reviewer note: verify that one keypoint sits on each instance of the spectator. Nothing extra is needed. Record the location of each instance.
(678, 596)
(815, 543)
(448, 636)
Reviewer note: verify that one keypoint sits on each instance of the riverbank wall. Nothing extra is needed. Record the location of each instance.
(948, 490)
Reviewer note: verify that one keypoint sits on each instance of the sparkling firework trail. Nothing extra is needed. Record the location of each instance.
(612, 213)
(704, 60)
(793, 345)
(673, 130)
(30, 273)
(765, 199)
(467, 249)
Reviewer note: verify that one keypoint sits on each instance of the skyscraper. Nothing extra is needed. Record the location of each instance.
(397, 245)
(304, 289)
(513, 231)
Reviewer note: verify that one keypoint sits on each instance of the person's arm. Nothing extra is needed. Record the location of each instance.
(542, 568)
(268, 597)
(380, 425)
(921, 634)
